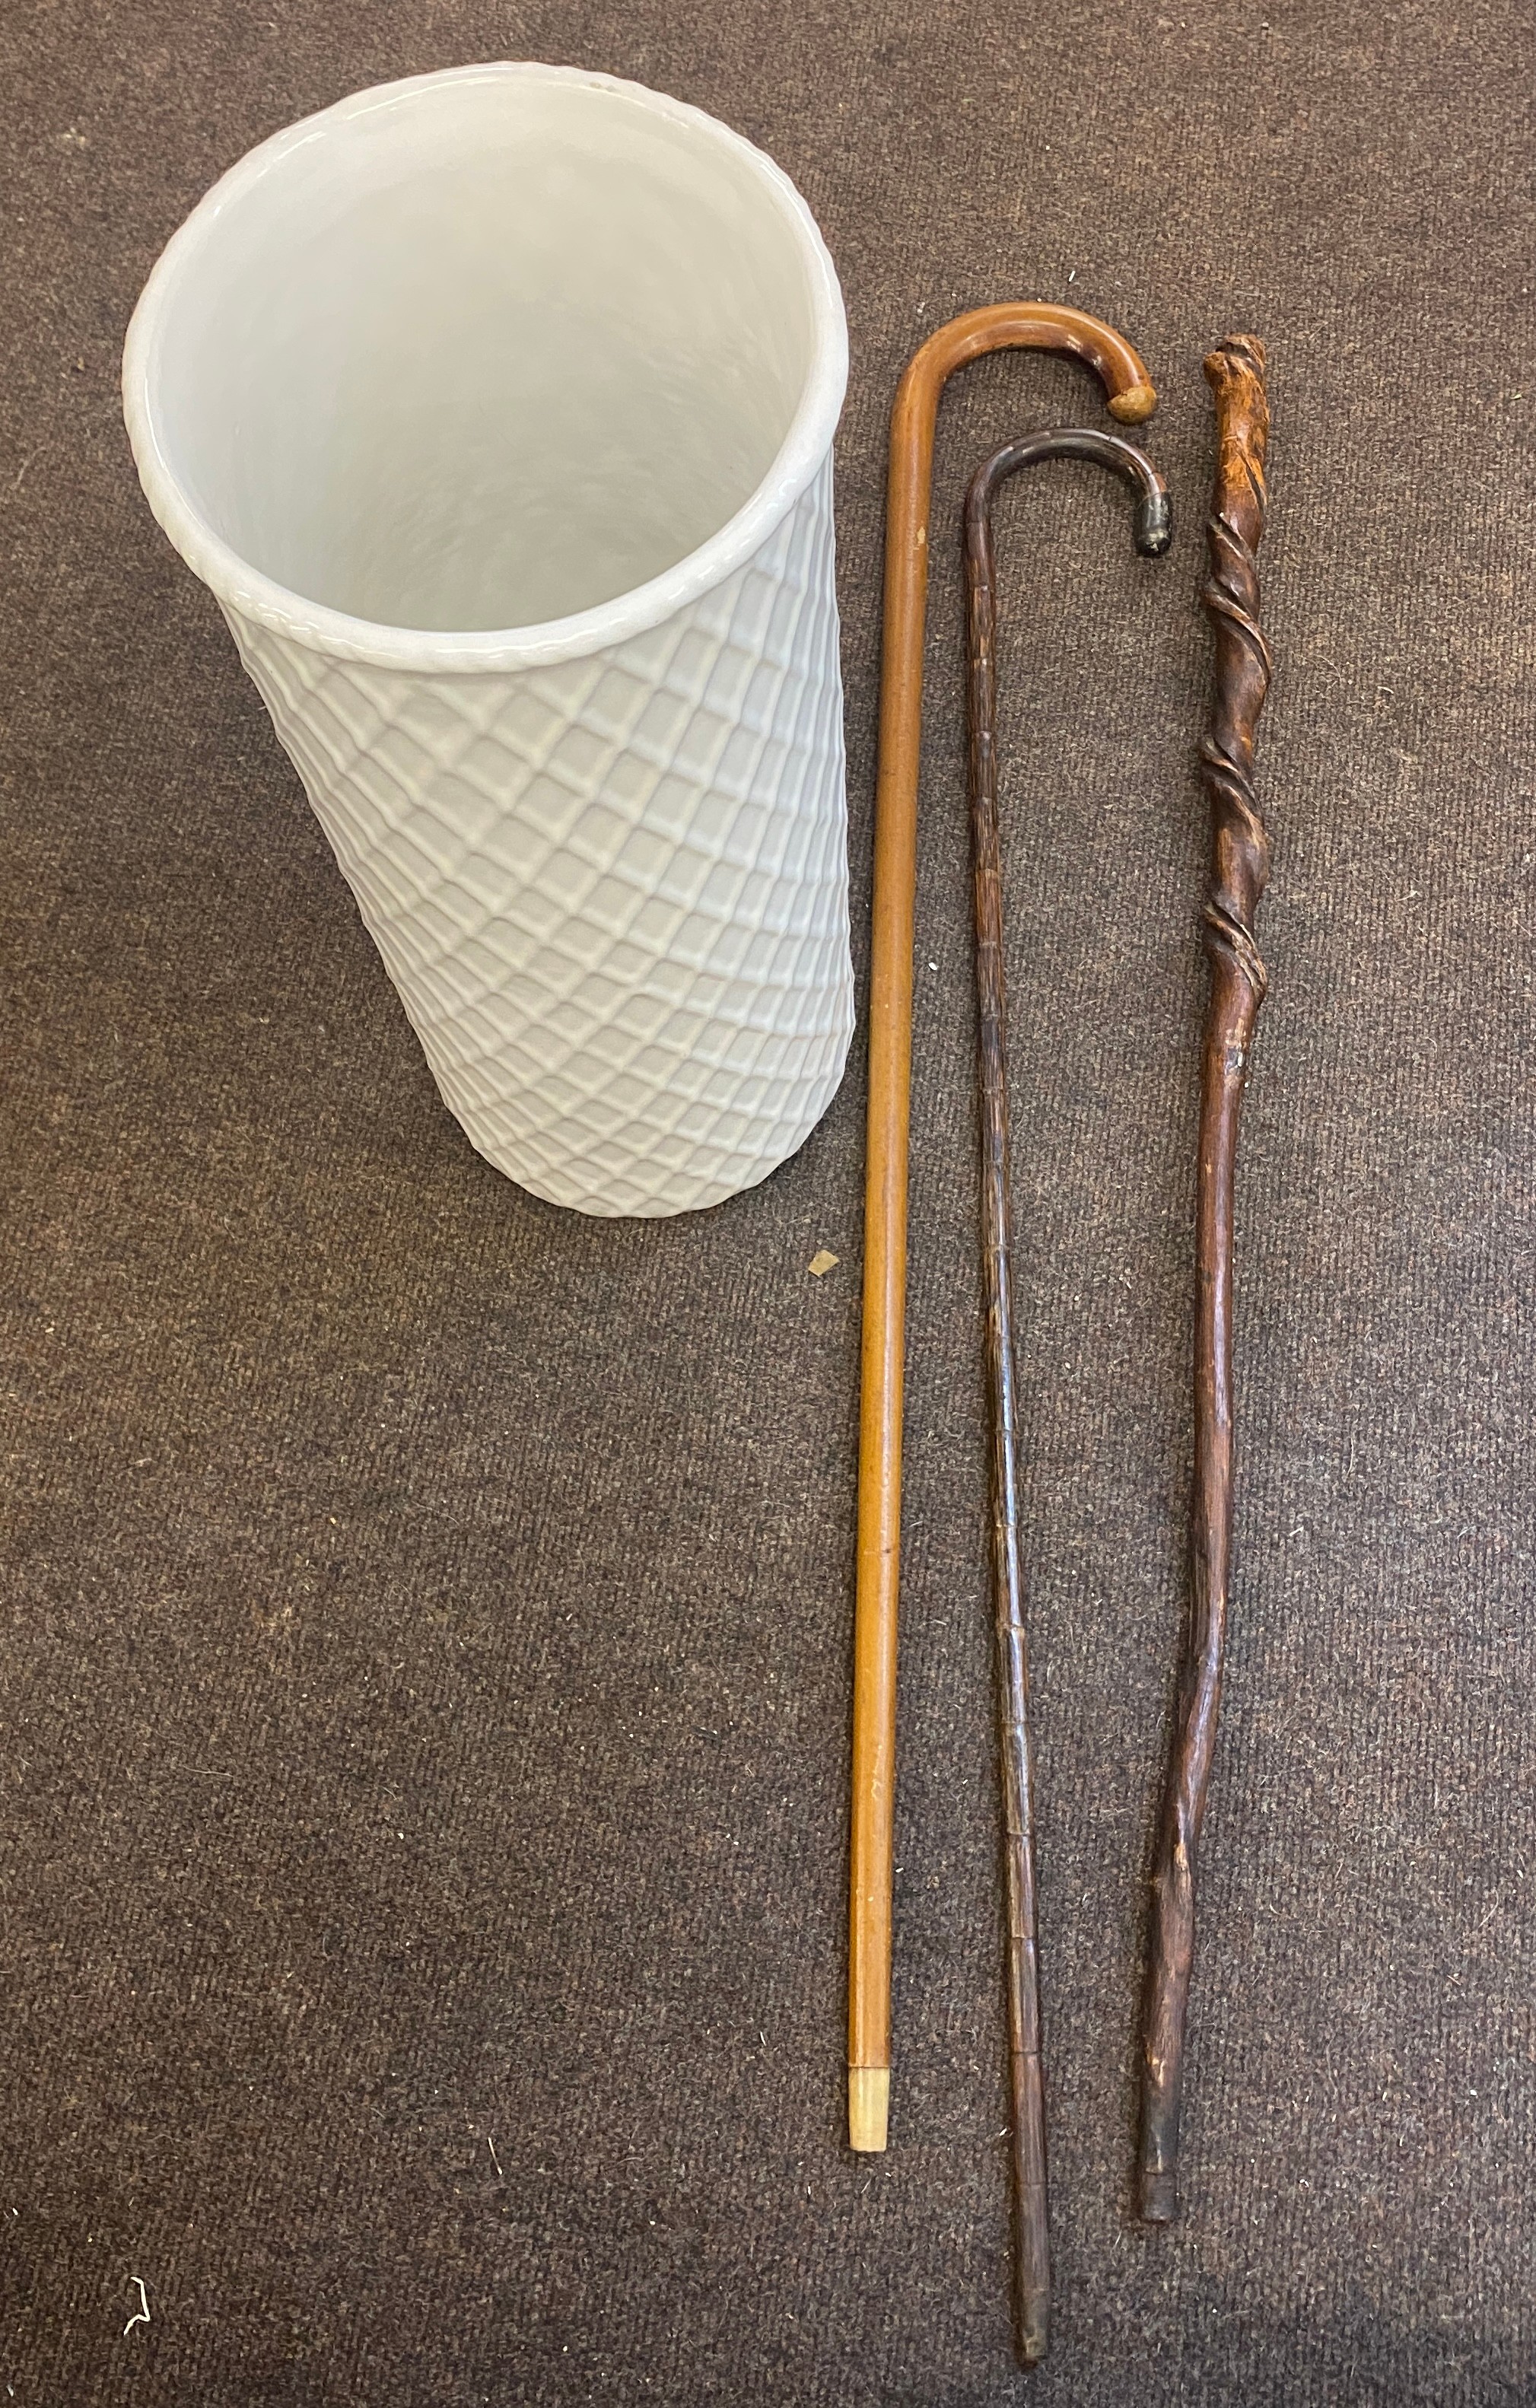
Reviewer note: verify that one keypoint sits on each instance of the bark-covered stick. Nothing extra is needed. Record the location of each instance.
(1239, 870)
(1154, 529)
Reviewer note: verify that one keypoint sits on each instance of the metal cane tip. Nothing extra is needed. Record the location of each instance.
(868, 2106)
(1153, 526)
(1137, 402)
(1159, 2196)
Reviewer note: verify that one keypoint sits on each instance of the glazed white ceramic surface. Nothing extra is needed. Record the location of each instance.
(496, 406)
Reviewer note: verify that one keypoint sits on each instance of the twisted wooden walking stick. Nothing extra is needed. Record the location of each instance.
(1239, 870)
(1027, 325)
(1154, 529)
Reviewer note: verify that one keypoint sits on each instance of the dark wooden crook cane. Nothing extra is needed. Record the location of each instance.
(1239, 873)
(1154, 529)
(1027, 326)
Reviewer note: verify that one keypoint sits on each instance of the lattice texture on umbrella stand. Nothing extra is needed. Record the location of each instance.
(613, 894)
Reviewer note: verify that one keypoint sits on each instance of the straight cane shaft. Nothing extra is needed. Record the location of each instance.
(1020, 325)
(1032, 2252)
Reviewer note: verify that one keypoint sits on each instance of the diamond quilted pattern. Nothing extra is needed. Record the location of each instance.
(613, 894)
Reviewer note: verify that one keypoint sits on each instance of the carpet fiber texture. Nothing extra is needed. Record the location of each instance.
(426, 1672)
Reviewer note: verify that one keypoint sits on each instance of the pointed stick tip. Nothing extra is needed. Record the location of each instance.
(1034, 2342)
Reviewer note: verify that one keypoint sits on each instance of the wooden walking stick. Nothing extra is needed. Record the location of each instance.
(1027, 325)
(1239, 870)
(1154, 529)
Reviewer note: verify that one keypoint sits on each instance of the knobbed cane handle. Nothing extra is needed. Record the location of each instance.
(1239, 870)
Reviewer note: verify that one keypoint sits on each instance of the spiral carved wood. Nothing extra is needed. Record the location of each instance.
(1239, 870)
(1241, 865)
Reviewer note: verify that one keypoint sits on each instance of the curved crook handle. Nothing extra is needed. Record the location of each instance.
(1154, 530)
(1153, 526)
(1017, 325)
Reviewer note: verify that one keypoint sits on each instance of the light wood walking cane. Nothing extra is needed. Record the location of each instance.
(1239, 870)
(1022, 325)
(1153, 527)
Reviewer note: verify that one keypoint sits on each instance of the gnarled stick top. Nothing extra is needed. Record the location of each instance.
(1235, 373)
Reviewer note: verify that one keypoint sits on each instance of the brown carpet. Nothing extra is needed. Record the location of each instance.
(426, 1651)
